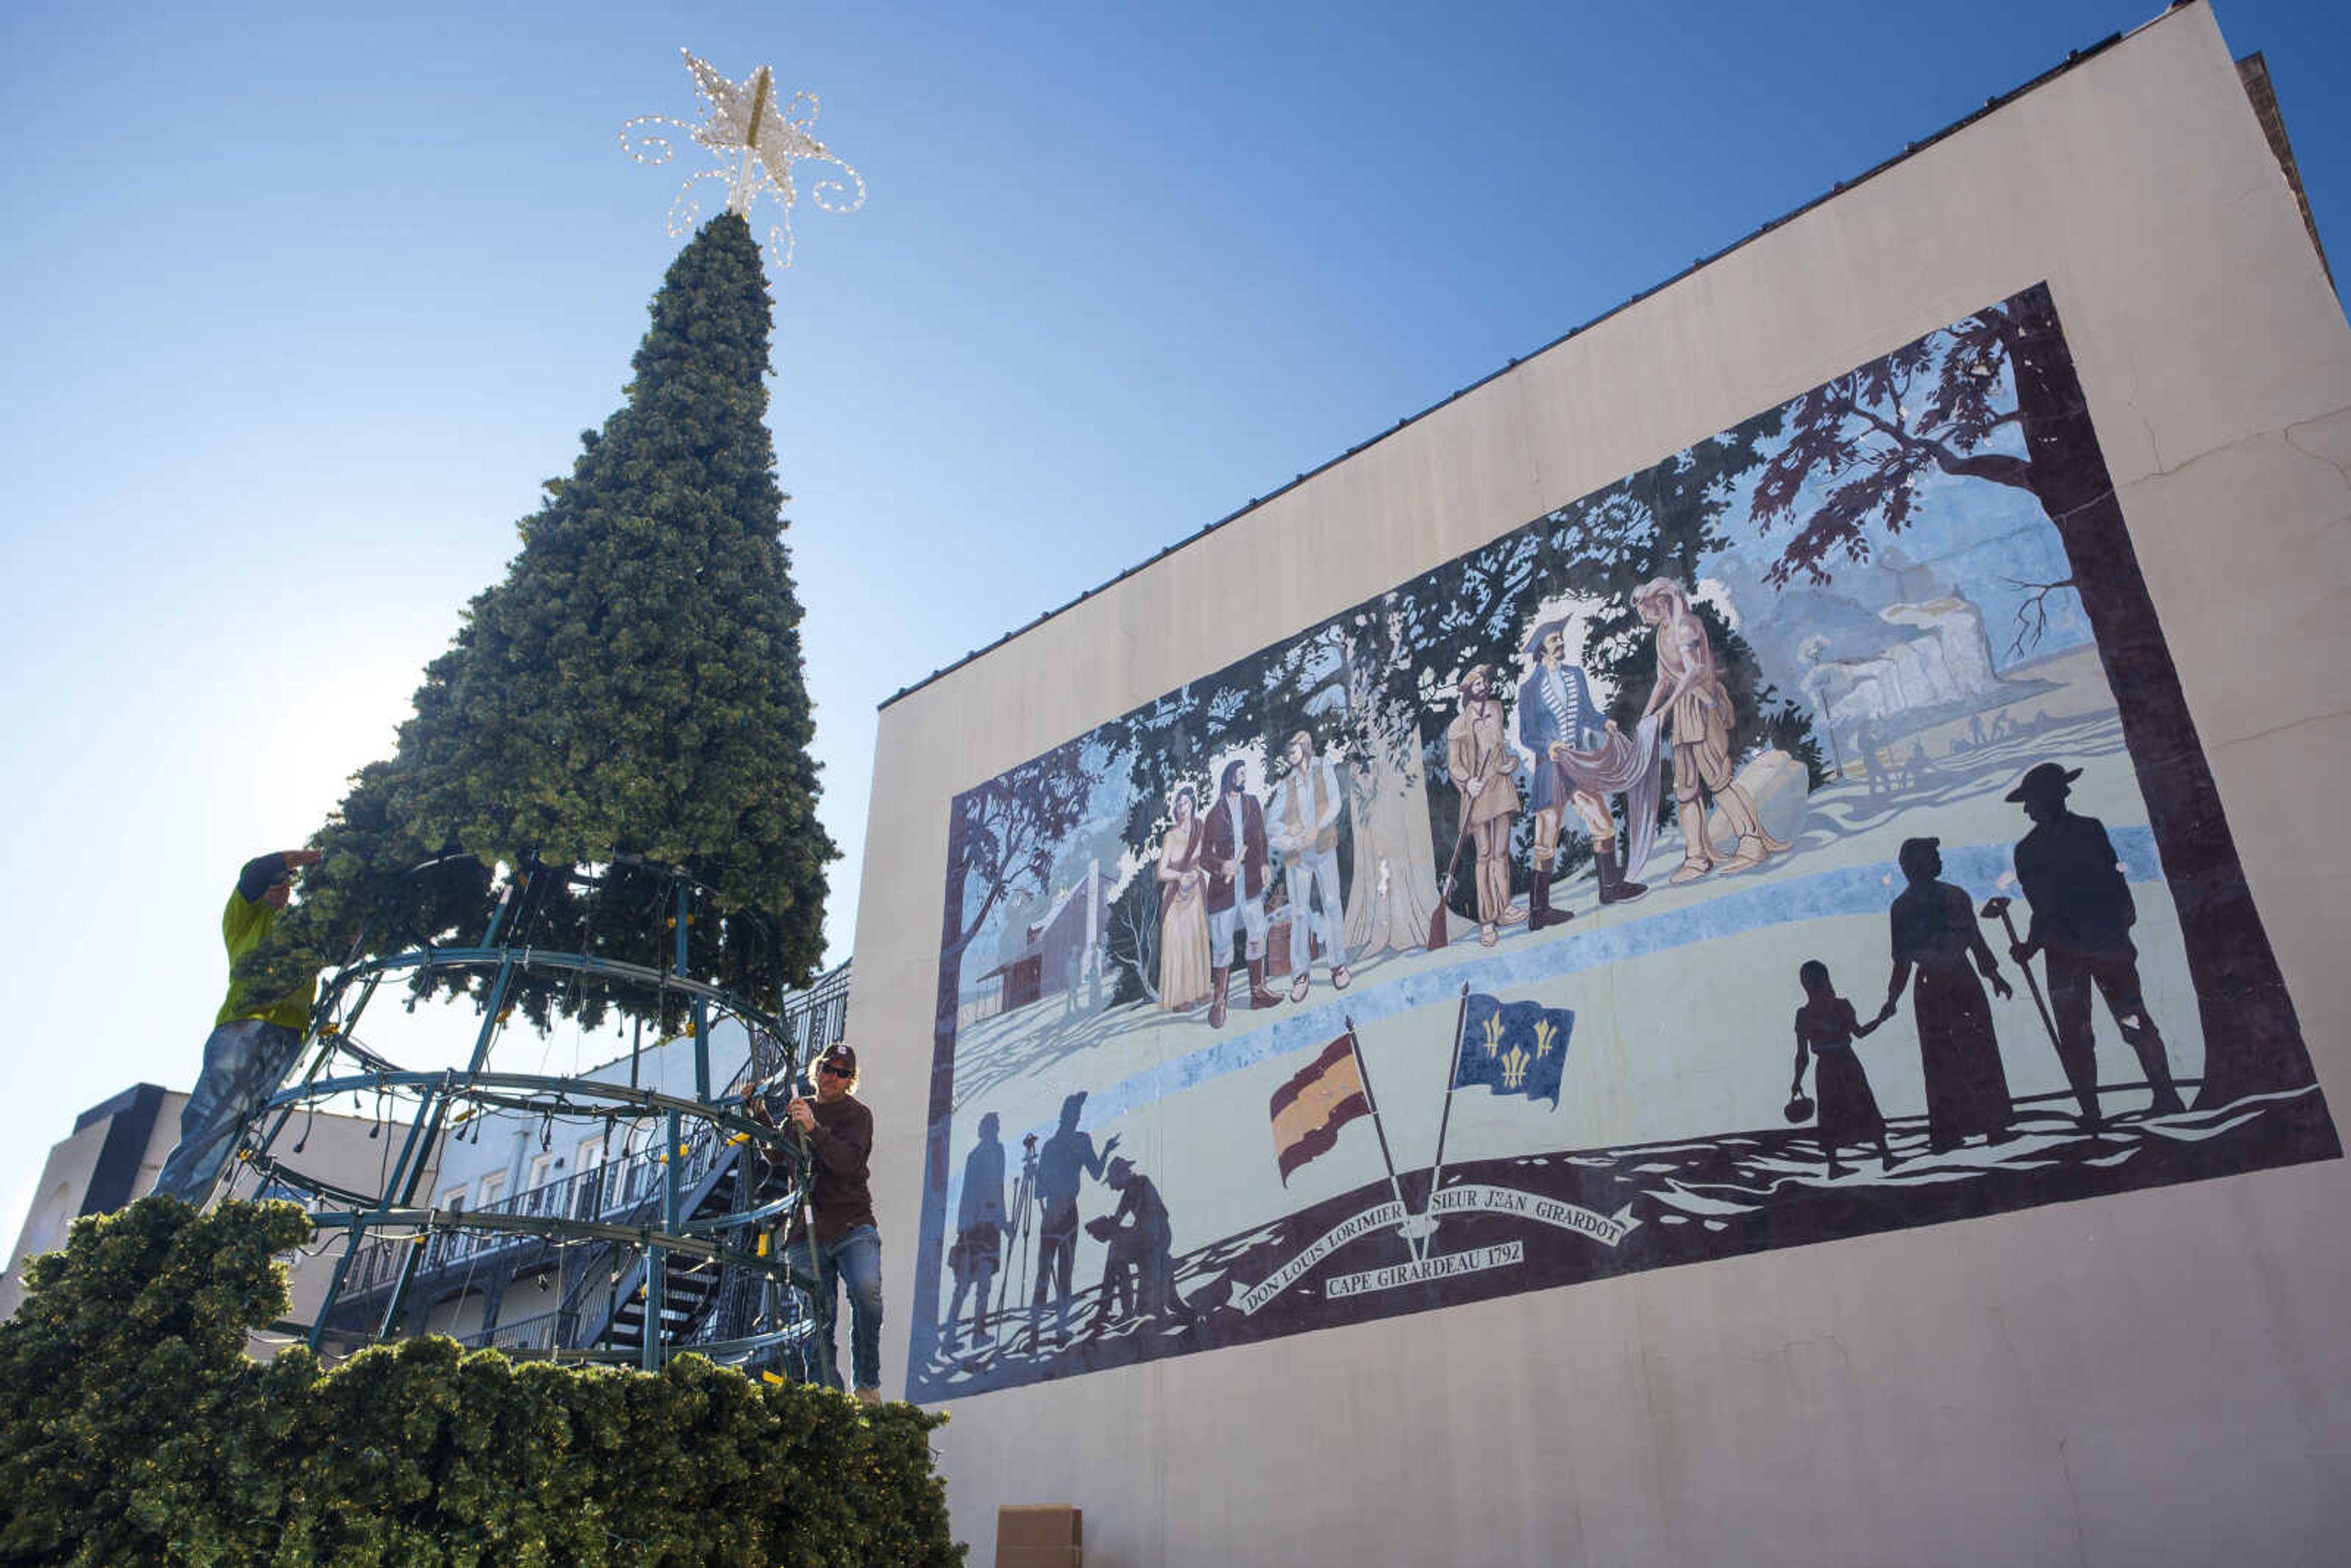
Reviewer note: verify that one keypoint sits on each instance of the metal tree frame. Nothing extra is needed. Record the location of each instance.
(789, 1313)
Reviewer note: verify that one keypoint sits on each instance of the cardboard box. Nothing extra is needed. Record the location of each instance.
(1040, 1535)
(1040, 1557)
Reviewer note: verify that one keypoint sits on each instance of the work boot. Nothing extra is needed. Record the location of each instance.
(1219, 982)
(1258, 995)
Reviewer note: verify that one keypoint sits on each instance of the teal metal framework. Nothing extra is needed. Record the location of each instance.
(741, 1239)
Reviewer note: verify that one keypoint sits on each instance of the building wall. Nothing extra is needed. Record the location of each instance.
(72, 1170)
(334, 1148)
(2157, 1375)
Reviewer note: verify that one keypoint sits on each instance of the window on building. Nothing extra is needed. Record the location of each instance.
(534, 1194)
(587, 1178)
(443, 1247)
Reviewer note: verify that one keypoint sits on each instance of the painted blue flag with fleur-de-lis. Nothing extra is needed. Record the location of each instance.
(1513, 1048)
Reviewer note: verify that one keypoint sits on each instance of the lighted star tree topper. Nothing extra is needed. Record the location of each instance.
(756, 142)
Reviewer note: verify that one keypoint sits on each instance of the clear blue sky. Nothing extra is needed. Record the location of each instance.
(304, 302)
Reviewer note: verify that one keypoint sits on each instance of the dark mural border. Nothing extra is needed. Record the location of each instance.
(2257, 1102)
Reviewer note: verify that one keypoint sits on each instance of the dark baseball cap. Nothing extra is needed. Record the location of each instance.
(840, 1055)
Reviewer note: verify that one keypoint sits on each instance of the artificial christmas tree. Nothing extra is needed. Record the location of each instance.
(629, 699)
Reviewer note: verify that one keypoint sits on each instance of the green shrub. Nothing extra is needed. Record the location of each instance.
(134, 1428)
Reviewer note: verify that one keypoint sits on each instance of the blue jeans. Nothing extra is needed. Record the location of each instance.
(856, 1257)
(245, 1061)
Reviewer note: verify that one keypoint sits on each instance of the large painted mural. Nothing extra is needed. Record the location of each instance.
(1802, 837)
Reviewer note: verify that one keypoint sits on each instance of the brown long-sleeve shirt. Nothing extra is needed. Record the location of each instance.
(842, 1141)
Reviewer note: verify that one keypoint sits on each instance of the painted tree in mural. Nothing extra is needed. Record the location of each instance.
(1406, 656)
(630, 697)
(1394, 888)
(1162, 746)
(1349, 683)
(1003, 842)
(1864, 438)
(1663, 522)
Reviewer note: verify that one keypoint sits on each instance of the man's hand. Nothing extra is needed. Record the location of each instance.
(1559, 749)
(802, 1116)
(2022, 952)
(301, 857)
(1470, 787)
(1109, 1143)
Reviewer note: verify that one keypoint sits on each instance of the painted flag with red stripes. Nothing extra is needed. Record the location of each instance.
(1308, 1109)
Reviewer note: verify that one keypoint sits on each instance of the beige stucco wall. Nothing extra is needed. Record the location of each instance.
(2162, 1376)
(65, 1176)
(336, 1149)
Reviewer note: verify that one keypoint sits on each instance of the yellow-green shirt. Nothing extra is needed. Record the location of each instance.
(243, 923)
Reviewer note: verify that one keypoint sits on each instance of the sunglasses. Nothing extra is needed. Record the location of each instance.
(830, 1071)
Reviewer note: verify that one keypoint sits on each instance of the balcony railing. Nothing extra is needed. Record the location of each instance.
(609, 1191)
(623, 1190)
(543, 1330)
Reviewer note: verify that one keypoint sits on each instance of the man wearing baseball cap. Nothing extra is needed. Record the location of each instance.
(253, 1041)
(847, 1246)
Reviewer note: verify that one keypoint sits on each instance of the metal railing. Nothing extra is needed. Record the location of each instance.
(542, 1331)
(605, 1191)
(621, 1190)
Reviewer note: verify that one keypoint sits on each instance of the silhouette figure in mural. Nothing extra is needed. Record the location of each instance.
(1236, 859)
(1864, 741)
(2082, 918)
(1139, 1272)
(1183, 915)
(1935, 934)
(1480, 759)
(1305, 833)
(1067, 1157)
(1695, 702)
(1571, 744)
(980, 1228)
(1826, 1027)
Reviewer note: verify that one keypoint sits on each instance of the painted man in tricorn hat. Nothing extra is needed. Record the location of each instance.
(2082, 916)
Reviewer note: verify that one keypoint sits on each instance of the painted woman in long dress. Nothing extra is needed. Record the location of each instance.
(1934, 933)
(1183, 914)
